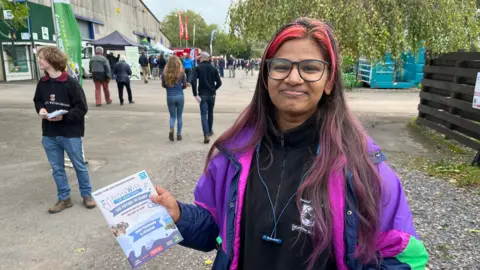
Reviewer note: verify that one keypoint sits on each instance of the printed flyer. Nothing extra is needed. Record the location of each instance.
(142, 228)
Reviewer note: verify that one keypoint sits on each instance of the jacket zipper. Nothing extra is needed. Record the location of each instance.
(234, 160)
(282, 172)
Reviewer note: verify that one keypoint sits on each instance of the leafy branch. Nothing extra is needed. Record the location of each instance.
(368, 27)
(19, 12)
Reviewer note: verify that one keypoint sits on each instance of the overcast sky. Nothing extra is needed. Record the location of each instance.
(213, 11)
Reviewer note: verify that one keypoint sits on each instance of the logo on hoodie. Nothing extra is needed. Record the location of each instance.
(307, 218)
(52, 97)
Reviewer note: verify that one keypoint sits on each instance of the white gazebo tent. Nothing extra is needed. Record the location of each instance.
(162, 48)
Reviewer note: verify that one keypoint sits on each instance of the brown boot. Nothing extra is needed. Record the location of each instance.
(206, 140)
(60, 206)
(179, 137)
(170, 135)
(88, 202)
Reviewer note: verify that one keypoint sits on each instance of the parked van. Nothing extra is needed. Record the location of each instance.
(87, 53)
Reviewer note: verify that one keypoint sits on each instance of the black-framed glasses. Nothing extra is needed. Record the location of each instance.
(310, 70)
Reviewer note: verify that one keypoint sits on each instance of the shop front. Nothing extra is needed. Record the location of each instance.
(17, 62)
(17, 54)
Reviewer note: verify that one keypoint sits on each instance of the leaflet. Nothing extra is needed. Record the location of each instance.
(143, 229)
(55, 113)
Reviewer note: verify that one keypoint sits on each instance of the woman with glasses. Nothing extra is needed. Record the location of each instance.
(296, 183)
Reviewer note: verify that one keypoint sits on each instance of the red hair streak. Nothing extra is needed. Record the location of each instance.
(289, 33)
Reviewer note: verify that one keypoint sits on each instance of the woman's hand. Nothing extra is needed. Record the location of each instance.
(165, 199)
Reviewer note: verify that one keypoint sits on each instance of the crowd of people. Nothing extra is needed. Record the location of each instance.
(232, 64)
(338, 205)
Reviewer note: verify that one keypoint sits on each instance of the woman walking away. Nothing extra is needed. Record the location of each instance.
(175, 80)
(122, 73)
(63, 133)
(296, 183)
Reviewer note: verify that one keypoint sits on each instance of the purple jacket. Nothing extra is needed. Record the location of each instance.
(214, 220)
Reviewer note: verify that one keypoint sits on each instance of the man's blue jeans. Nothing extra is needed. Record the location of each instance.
(206, 111)
(55, 148)
(175, 108)
(112, 68)
(188, 73)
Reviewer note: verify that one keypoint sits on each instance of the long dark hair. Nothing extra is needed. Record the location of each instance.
(342, 138)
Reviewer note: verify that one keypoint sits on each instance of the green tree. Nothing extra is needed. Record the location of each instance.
(368, 27)
(170, 25)
(223, 43)
(20, 16)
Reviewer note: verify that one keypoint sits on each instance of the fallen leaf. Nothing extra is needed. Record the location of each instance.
(208, 262)
(79, 250)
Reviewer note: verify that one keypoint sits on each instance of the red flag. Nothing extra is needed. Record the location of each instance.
(181, 24)
(186, 27)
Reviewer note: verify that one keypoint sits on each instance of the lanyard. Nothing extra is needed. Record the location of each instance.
(273, 236)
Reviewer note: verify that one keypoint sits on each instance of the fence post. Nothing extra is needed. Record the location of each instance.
(454, 95)
(428, 62)
(476, 159)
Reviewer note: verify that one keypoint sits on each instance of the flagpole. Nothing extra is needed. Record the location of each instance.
(54, 17)
(186, 30)
(180, 26)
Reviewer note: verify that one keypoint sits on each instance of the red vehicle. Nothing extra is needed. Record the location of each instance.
(193, 52)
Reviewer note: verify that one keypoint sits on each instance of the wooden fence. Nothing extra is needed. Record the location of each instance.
(447, 96)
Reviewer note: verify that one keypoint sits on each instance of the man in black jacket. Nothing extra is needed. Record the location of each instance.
(208, 83)
(122, 73)
(63, 133)
(221, 64)
(112, 60)
(143, 61)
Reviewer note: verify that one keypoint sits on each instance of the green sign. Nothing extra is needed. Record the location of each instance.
(69, 38)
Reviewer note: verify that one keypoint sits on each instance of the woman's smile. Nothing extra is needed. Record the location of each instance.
(293, 93)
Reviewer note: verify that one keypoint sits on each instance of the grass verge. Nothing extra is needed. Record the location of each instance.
(452, 160)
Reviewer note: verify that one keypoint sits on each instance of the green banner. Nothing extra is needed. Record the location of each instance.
(69, 38)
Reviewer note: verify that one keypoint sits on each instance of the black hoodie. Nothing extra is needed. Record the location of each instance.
(62, 93)
(284, 159)
(209, 80)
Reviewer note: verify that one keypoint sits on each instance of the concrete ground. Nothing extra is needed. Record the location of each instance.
(120, 141)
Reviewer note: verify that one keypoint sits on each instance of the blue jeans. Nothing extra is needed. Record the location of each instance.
(175, 108)
(206, 111)
(188, 72)
(55, 148)
(112, 68)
